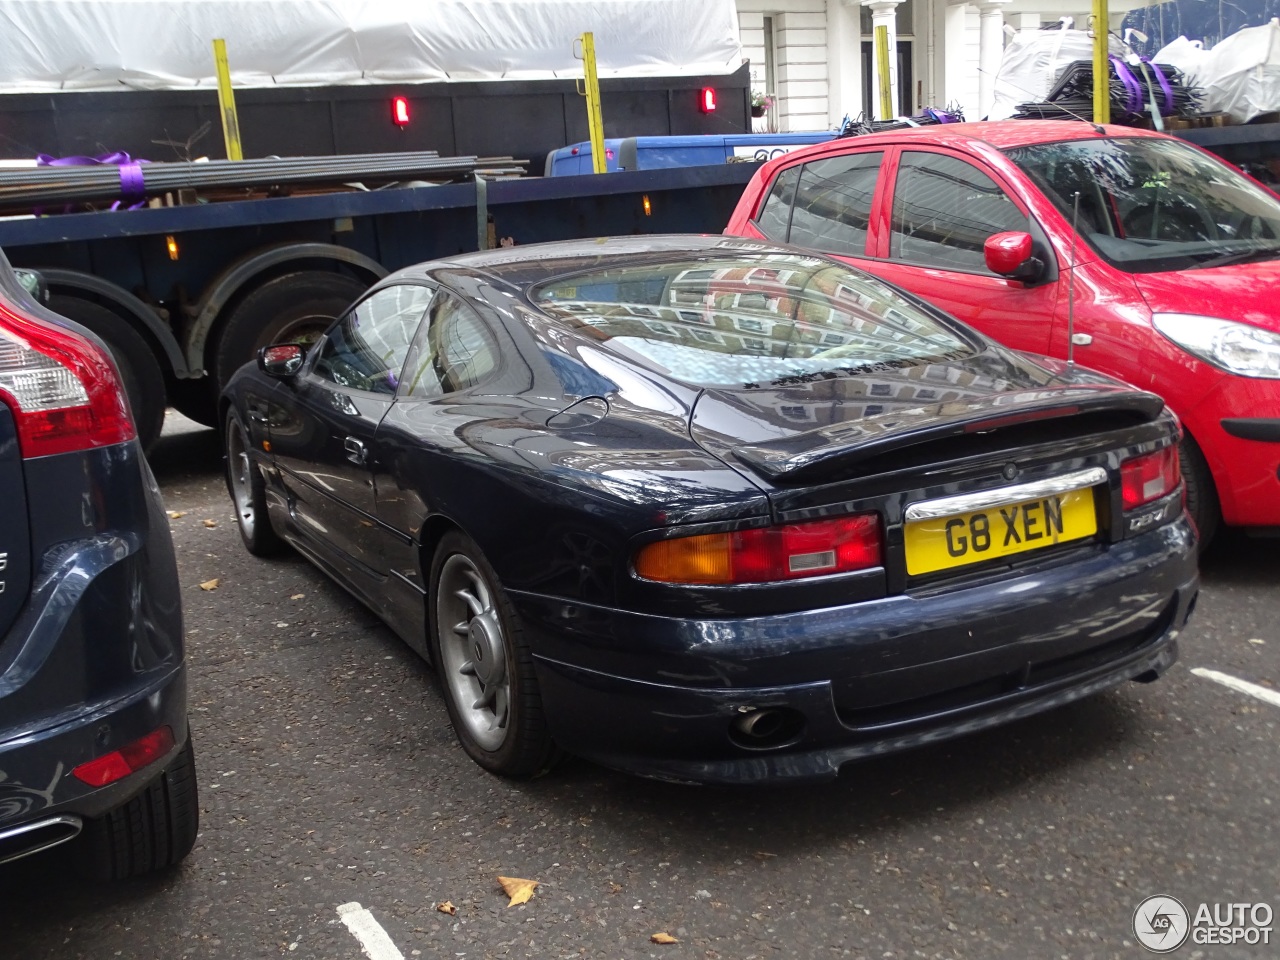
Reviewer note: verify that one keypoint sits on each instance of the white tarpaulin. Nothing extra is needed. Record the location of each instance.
(1241, 74)
(166, 44)
(1032, 61)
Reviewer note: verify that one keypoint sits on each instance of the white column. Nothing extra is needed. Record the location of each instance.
(884, 13)
(844, 60)
(955, 69)
(990, 51)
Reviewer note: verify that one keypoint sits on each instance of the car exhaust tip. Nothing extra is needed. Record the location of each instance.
(766, 728)
(22, 841)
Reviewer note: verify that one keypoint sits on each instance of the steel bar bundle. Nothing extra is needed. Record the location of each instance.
(861, 126)
(134, 182)
(1133, 88)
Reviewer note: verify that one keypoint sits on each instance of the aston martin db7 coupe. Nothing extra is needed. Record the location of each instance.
(709, 509)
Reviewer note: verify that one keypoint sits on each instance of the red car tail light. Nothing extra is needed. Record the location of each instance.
(1149, 477)
(128, 759)
(63, 389)
(787, 552)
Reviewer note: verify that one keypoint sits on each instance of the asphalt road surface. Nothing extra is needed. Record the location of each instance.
(329, 776)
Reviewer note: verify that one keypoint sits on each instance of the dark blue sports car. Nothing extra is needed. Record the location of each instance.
(707, 509)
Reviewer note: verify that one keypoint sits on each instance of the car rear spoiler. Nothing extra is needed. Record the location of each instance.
(839, 446)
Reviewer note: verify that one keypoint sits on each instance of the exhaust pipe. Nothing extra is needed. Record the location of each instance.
(18, 842)
(767, 727)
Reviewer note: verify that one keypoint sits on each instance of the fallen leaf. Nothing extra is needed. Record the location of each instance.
(663, 938)
(518, 890)
(763, 855)
(211, 523)
(177, 514)
(297, 596)
(447, 907)
(210, 584)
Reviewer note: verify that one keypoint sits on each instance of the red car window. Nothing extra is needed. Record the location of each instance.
(944, 209)
(833, 204)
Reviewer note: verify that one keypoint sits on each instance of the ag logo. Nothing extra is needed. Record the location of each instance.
(1161, 924)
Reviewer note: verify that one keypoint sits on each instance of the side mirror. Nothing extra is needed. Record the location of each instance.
(1010, 255)
(281, 359)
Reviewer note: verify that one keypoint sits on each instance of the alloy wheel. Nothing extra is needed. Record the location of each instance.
(473, 651)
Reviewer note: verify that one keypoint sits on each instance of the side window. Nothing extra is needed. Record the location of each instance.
(366, 349)
(833, 204)
(453, 352)
(775, 215)
(943, 211)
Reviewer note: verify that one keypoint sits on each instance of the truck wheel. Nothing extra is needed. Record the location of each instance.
(154, 830)
(143, 379)
(1202, 495)
(295, 308)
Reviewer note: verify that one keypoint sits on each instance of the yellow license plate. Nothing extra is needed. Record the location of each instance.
(944, 542)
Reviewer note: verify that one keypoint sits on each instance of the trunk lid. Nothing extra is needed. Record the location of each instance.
(828, 429)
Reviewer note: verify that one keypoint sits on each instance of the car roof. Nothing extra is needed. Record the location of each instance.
(1000, 134)
(524, 266)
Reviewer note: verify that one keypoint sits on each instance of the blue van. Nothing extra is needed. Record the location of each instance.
(652, 153)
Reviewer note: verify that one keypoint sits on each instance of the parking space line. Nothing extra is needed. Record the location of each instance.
(1242, 686)
(373, 939)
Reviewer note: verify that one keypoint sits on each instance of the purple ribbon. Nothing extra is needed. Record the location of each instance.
(133, 188)
(1134, 102)
(1164, 85)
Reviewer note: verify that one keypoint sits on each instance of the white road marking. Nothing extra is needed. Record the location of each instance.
(1242, 686)
(373, 939)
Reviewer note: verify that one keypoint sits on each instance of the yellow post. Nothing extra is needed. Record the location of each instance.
(1101, 65)
(595, 120)
(882, 71)
(227, 102)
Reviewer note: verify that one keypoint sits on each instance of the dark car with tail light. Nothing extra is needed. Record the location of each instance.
(708, 509)
(94, 744)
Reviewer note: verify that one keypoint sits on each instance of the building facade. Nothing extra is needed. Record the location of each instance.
(815, 57)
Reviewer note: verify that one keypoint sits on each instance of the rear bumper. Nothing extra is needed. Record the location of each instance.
(867, 679)
(37, 781)
(94, 660)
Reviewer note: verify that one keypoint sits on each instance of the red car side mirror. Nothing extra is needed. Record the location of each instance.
(1010, 255)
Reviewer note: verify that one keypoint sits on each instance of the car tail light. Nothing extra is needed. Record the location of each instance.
(1149, 477)
(787, 552)
(128, 759)
(707, 99)
(63, 389)
(400, 111)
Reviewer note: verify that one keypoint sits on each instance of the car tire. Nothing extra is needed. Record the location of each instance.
(485, 665)
(248, 491)
(154, 830)
(1202, 495)
(139, 369)
(293, 308)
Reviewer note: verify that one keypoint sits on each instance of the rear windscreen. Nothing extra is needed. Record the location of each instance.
(750, 320)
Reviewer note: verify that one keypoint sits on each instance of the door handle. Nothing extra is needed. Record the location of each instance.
(356, 451)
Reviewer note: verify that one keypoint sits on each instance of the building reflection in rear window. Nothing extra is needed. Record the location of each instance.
(751, 320)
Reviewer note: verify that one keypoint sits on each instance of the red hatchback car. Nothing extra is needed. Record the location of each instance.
(1159, 262)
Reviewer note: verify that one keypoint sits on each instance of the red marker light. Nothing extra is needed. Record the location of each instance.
(707, 100)
(400, 111)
